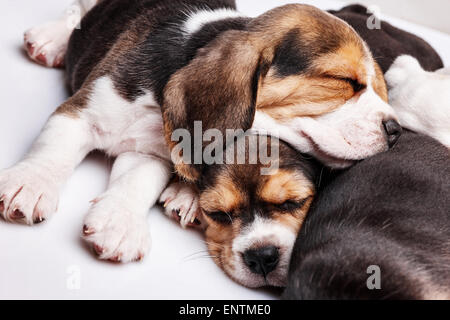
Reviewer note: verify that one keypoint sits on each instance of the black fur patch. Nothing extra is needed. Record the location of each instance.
(389, 42)
(151, 63)
(290, 57)
(392, 211)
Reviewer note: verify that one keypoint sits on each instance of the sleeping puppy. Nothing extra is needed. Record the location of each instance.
(132, 62)
(421, 98)
(389, 214)
(252, 219)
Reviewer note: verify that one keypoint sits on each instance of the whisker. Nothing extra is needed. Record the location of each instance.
(196, 253)
(201, 257)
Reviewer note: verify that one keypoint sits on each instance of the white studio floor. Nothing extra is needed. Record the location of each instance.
(50, 260)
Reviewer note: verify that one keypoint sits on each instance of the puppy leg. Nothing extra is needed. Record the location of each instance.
(180, 201)
(116, 225)
(47, 44)
(29, 190)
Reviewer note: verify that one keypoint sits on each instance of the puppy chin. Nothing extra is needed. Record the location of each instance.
(340, 150)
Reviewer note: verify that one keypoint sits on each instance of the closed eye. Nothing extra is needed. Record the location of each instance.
(292, 205)
(221, 217)
(356, 85)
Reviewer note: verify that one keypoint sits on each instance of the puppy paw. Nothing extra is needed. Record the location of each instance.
(47, 44)
(180, 201)
(27, 195)
(402, 70)
(116, 232)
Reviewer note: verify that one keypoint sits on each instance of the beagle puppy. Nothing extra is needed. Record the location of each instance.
(421, 98)
(295, 72)
(250, 219)
(380, 230)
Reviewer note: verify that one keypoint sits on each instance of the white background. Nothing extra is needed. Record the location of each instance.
(37, 262)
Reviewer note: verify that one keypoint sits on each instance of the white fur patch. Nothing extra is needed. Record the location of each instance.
(421, 99)
(32, 186)
(119, 125)
(116, 224)
(263, 232)
(47, 43)
(133, 132)
(198, 19)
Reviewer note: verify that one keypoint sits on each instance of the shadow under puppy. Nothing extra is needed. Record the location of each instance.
(391, 212)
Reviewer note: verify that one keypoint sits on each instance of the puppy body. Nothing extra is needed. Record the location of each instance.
(421, 98)
(391, 212)
(388, 42)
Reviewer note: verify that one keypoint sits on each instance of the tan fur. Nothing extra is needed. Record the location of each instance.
(73, 106)
(321, 90)
(301, 96)
(379, 84)
(224, 197)
(286, 185)
(294, 221)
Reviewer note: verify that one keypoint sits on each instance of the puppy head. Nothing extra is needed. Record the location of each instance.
(252, 220)
(304, 70)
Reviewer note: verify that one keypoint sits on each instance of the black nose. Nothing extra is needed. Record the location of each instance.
(393, 130)
(262, 260)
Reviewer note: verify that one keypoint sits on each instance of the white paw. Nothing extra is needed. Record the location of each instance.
(402, 70)
(180, 201)
(115, 231)
(47, 44)
(27, 194)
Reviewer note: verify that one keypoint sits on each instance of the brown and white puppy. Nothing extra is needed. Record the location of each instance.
(297, 72)
(252, 219)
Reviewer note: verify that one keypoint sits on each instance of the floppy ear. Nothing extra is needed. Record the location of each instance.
(219, 88)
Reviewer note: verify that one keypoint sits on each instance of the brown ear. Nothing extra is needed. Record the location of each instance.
(219, 88)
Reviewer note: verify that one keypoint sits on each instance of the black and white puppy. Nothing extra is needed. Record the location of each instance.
(389, 214)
